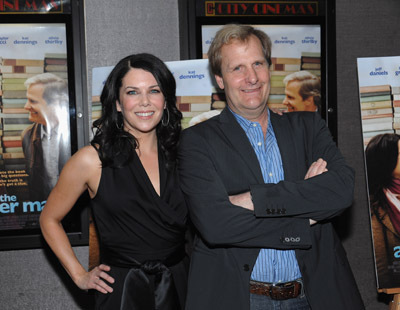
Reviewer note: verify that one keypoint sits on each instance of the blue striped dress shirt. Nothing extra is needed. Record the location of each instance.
(272, 265)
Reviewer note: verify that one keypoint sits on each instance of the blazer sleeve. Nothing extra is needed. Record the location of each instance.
(321, 197)
(219, 222)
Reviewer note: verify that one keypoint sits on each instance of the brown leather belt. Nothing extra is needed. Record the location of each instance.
(279, 291)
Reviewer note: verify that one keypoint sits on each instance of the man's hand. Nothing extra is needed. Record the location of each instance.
(312, 222)
(277, 111)
(242, 200)
(317, 167)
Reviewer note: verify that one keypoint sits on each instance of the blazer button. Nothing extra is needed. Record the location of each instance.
(246, 267)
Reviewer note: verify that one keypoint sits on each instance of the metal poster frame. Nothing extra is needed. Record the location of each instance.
(198, 13)
(49, 13)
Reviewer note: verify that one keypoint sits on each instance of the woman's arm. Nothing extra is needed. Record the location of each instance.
(82, 172)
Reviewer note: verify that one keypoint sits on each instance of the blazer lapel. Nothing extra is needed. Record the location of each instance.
(285, 137)
(239, 141)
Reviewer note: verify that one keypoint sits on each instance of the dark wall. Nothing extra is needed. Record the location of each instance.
(368, 28)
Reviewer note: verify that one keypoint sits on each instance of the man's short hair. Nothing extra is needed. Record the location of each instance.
(310, 85)
(235, 32)
(55, 88)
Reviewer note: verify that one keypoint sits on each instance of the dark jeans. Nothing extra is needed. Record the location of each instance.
(261, 302)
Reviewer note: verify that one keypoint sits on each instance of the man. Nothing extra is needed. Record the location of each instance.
(46, 143)
(258, 243)
(302, 92)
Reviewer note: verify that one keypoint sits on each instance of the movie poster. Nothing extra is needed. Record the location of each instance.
(34, 119)
(379, 94)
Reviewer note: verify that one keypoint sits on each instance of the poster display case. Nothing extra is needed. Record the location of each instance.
(302, 35)
(42, 116)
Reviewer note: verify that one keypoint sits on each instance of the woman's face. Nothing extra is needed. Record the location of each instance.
(141, 102)
(396, 171)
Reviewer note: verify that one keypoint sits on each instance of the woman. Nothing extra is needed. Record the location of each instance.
(129, 172)
(383, 168)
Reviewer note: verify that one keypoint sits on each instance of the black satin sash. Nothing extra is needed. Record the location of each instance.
(138, 295)
(149, 285)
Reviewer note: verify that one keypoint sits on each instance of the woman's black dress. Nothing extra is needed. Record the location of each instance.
(142, 238)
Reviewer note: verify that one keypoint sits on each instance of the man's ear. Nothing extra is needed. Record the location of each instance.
(309, 101)
(219, 81)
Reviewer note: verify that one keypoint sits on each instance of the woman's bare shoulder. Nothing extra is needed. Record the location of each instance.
(85, 158)
(88, 151)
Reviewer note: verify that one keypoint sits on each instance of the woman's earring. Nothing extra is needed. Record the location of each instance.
(163, 121)
(118, 124)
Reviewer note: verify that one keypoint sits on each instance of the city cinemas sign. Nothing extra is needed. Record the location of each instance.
(261, 8)
(32, 6)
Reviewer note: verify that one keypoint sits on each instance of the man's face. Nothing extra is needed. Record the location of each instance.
(35, 104)
(294, 101)
(245, 77)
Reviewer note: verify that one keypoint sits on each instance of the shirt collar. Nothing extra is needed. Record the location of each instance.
(246, 124)
(44, 132)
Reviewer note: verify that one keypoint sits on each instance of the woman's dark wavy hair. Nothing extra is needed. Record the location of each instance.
(381, 156)
(110, 141)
